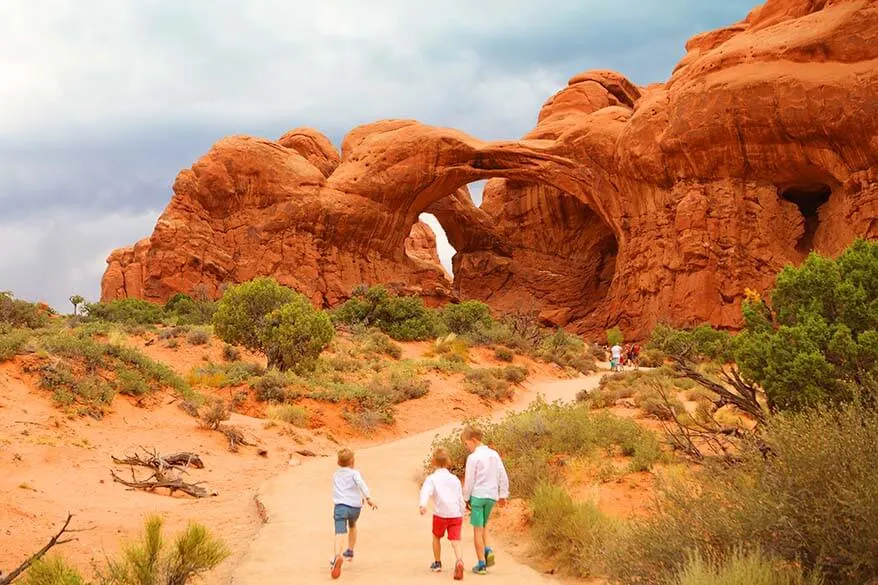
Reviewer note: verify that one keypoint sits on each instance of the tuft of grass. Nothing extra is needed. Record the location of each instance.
(214, 413)
(198, 337)
(742, 568)
(289, 413)
(377, 342)
(573, 534)
(52, 570)
(504, 354)
(271, 387)
(231, 353)
(494, 383)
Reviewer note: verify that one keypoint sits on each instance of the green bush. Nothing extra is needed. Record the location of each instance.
(402, 318)
(514, 374)
(504, 354)
(198, 337)
(151, 562)
(652, 358)
(131, 383)
(129, 311)
(466, 317)
(240, 315)
(184, 310)
(741, 568)
(567, 351)
(405, 385)
(214, 412)
(52, 570)
(295, 334)
(573, 534)
(614, 336)
(22, 314)
(380, 343)
(11, 343)
(231, 353)
(806, 492)
(486, 383)
(289, 413)
(528, 441)
(272, 387)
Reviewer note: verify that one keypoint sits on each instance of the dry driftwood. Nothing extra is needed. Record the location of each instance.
(235, 436)
(182, 460)
(154, 482)
(54, 541)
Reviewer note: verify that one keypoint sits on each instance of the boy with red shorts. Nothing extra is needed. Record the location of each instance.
(448, 509)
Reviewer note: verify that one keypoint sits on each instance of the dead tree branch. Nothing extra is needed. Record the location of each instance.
(54, 541)
(181, 461)
(741, 394)
(235, 437)
(154, 482)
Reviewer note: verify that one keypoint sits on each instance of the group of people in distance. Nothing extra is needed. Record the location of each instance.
(624, 356)
(485, 485)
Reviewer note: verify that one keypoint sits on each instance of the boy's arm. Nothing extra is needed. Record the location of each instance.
(426, 492)
(469, 478)
(364, 489)
(502, 479)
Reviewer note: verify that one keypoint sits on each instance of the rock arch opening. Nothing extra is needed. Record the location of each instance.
(809, 198)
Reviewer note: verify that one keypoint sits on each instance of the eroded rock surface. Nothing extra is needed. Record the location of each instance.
(625, 205)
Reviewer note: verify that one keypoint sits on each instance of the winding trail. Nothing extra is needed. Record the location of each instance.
(295, 546)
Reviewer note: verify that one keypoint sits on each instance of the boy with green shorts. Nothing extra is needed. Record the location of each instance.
(485, 483)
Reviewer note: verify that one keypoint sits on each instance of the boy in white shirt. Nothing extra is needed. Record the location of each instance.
(348, 492)
(448, 509)
(484, 484)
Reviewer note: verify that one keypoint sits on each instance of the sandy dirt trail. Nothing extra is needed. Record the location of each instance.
(295, 546)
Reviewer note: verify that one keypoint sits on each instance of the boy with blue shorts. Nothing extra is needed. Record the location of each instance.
(348, 492)
(485, 484)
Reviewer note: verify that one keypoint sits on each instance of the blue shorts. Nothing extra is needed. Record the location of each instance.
(345, 516)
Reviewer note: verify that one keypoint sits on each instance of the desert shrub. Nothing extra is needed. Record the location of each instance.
(12, 342)
(486, 383)
(214, 413)
(151, 562)
(405, 385)
(339, 363)
(22, 314)
(240, 315)
(231, 353)
(366, 420)
(52, 570)
(271, 387)
(380, 343)
(128, 311)
(451, 344)
(741, 568)
(574, 534)
(402, 318)
(184, 310)
(295, 334)
(153, 370)
(597, 352)
(567, 351)
(656, 406)
(513, 374)
(448, 364)
(805, 492)
(614, 336)
(466, 317)
(289, 413)
(489, 335)
(504, 354)
(131, 383)
(652, 358)
(198, 337)
(528, 441)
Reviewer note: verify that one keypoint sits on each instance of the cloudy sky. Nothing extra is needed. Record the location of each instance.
(103, 102)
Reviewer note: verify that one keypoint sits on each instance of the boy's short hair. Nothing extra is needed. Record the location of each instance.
(345, 458)
(471, 433)
(441, 458)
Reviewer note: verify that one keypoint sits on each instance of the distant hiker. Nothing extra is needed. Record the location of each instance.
(626, 355)
(484, 484)
(616, 357)
(348, 492)
(635, 355)
(448, 508)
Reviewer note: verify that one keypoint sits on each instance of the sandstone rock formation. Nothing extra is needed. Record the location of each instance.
(624, 206)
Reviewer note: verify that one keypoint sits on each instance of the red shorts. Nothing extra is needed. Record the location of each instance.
(452, 525)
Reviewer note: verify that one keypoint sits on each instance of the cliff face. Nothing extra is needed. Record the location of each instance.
(625, 205)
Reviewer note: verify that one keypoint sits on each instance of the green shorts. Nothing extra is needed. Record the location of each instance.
(480, 511)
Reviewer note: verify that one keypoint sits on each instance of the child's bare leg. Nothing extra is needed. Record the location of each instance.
(352, 537)
(339, 543)
(458, 555)
(479, 541)
(437, 549)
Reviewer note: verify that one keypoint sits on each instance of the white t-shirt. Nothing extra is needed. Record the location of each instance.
(447, 494)
(616, 350)
(485, 475)
(348, 487)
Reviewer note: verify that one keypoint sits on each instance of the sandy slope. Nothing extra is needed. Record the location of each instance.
(296, 544)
